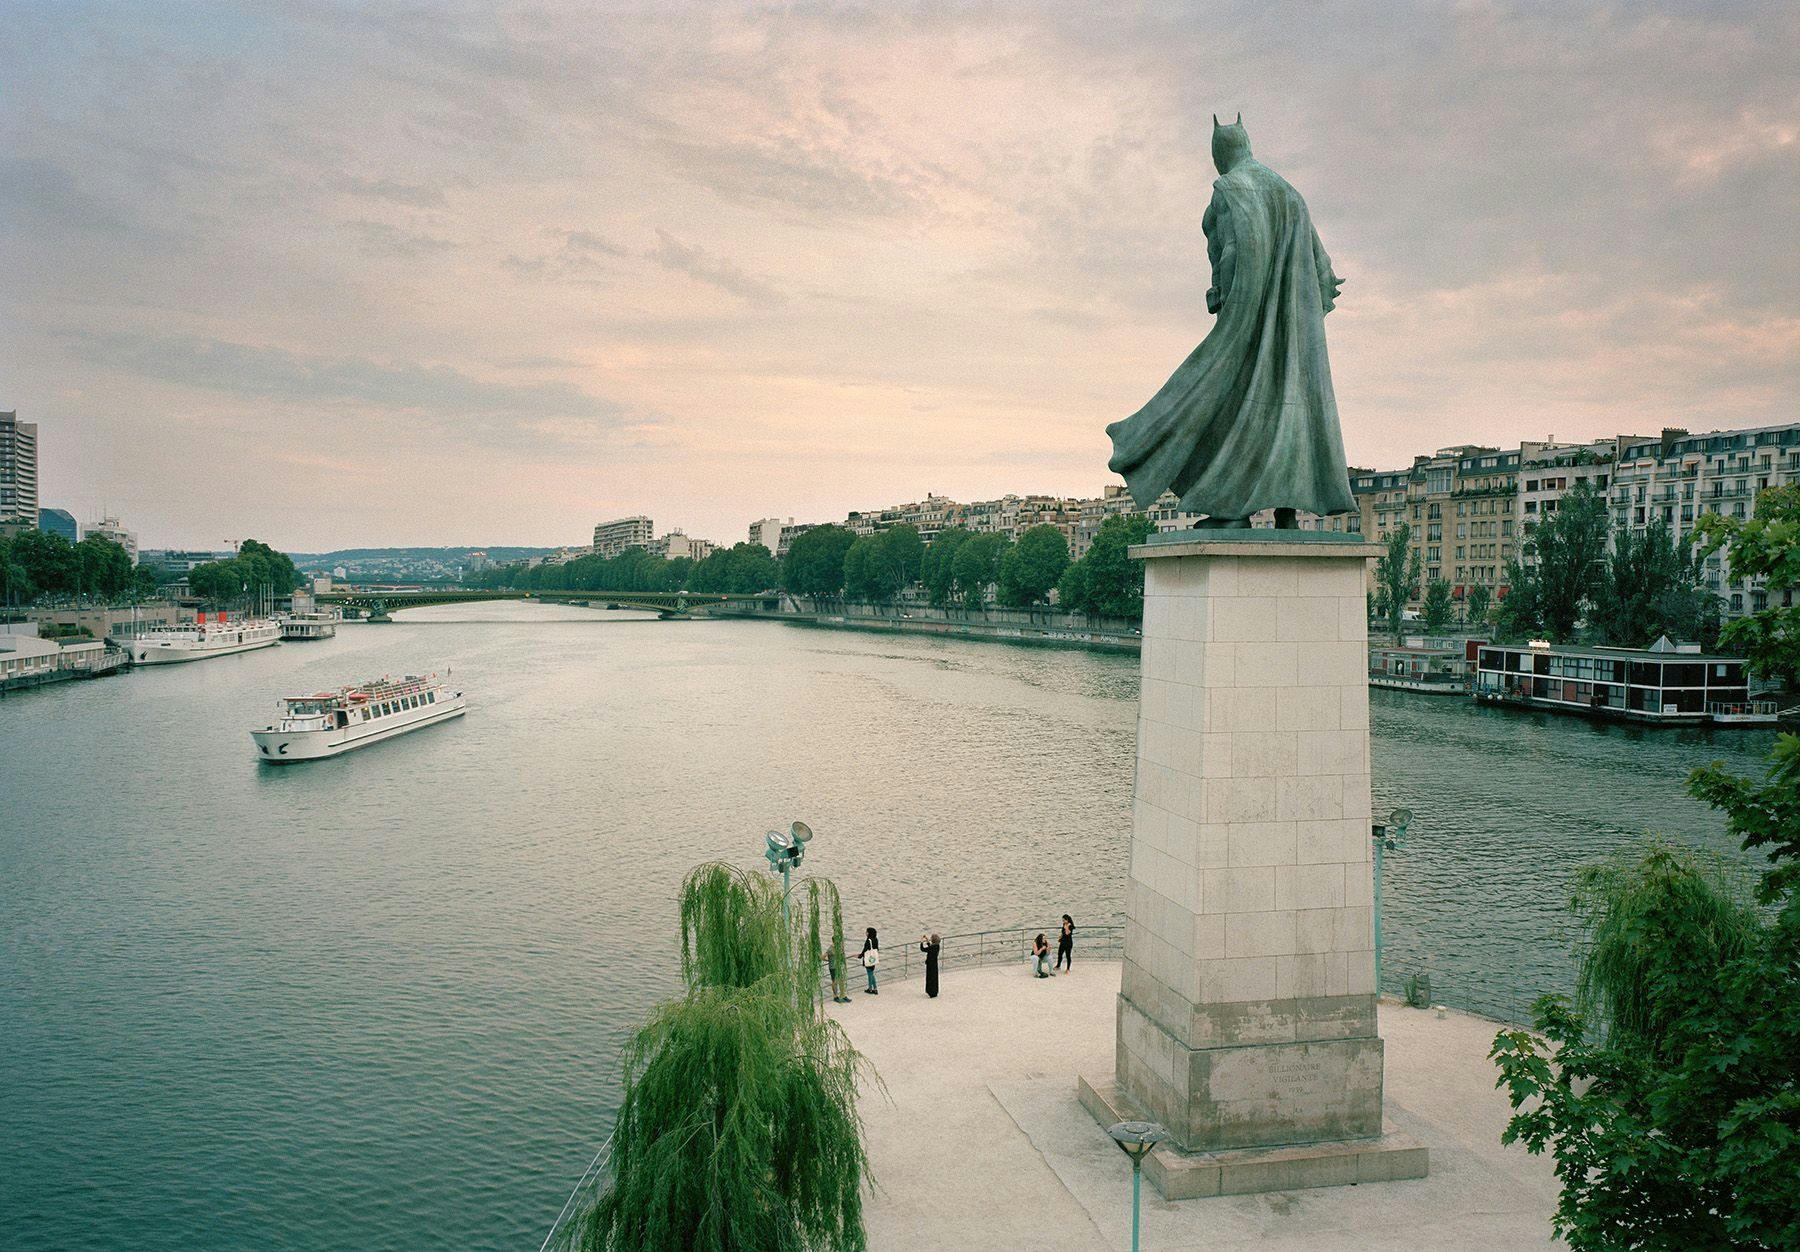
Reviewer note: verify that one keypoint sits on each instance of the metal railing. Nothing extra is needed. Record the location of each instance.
(899, 961)
(902, 959)
(585, 1195)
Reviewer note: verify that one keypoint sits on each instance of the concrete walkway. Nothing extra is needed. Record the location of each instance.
(979, 1142)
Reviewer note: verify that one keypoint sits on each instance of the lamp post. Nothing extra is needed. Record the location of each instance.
(786, 849)
(1137, 1138)
(1385, 838)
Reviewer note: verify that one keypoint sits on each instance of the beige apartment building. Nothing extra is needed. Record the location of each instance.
(612, 538)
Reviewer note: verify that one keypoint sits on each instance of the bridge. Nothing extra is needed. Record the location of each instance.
(379, 602)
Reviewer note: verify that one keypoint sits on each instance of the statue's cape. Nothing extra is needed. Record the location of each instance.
(1249, 421)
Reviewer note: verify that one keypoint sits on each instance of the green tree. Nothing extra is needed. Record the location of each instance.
(1031, 567)
(1115, 582)
(1435, 613)
(753, 569)
(938, 565)
(1651, 587)
(1669, 1092)
(977, 566)
(1072, 591)
(48, 559)
(1569, 551)
(1767, 546)
(860, 580)
(739, 1128)
(815, 561)
(1397, 577)
(255, 570)
(1518, 615)
(16, 584)
(901, 555)
(1480, 603)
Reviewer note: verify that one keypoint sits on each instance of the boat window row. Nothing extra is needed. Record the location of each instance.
(1607, 670)
(400, 704)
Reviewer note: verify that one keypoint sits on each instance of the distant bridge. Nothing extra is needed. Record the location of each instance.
(668, 604)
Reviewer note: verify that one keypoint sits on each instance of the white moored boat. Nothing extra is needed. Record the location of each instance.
(330, 722)
(197, 641)
(314, 625)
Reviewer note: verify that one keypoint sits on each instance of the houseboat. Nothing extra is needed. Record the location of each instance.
(317, 624)
(1666, 684)
(1418, 665)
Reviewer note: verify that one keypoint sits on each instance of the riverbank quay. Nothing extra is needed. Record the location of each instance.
(29, 661)
(1034, 627)
(977, 1137)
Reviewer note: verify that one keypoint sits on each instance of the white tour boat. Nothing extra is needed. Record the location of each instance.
(196, 641)
(314, 625)
(330, 722)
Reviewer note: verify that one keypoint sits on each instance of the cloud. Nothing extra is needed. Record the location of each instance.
(255, 370)
(899, 228)
(715, 271)
(414, 195)
(383, 239)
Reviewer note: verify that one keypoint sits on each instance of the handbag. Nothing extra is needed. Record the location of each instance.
(871, 958)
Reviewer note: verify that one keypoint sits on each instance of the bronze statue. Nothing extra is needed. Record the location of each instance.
(1248, 421)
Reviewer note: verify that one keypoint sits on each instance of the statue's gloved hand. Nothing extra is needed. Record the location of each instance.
(1215, 299)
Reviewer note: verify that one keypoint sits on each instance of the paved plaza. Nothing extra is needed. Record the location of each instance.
(978, 1141)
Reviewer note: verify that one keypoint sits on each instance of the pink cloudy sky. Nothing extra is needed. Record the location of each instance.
(369, 275)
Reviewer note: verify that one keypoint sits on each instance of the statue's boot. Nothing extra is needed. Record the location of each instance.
(1285, 519)
(1224, 523)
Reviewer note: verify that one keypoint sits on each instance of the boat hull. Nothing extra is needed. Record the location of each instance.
(284, 747)
(141, 653)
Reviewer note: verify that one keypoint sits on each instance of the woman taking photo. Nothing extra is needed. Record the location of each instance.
(929, 945)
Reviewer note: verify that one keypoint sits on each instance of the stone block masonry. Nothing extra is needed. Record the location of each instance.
(1246, 1013)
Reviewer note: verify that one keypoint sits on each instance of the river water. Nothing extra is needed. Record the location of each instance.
(378, 1001)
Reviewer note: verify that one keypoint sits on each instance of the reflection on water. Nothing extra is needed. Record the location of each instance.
(376, 1001)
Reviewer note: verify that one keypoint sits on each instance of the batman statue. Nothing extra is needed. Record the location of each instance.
(1248, 421)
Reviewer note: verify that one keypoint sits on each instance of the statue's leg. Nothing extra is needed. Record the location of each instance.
(1285, 520)
(1224, 523)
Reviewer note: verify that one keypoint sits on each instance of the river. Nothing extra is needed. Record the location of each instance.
(378, 1001)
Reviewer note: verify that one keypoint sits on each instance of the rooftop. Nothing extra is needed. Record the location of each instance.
(978, 1141)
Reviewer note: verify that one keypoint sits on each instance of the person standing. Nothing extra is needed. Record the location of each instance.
(1065, 944)
(834, 961)
(930, 945)
(871, 957)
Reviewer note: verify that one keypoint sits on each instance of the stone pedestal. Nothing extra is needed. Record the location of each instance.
(1246, 1018)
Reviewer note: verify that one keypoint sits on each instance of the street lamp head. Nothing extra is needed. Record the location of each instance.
(801, 832)
(1401, 818)
(1137, 1138)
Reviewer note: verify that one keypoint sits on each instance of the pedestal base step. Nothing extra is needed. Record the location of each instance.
(1179, 1175)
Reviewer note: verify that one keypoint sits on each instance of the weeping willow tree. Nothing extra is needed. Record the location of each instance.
(739, 1128)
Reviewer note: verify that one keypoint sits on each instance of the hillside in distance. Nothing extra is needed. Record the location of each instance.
(500, 555)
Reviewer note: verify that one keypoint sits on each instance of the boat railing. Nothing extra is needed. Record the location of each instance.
(1742, 708)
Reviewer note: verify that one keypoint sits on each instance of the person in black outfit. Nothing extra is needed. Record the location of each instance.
(870, 944)
(929, 945)
(1065, 944)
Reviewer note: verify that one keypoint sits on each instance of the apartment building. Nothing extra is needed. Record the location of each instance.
(18, 470)
(767, 531)
(612, 538)
(1677, 477)
(110, 527)
(675, 546)
(1461, 503)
